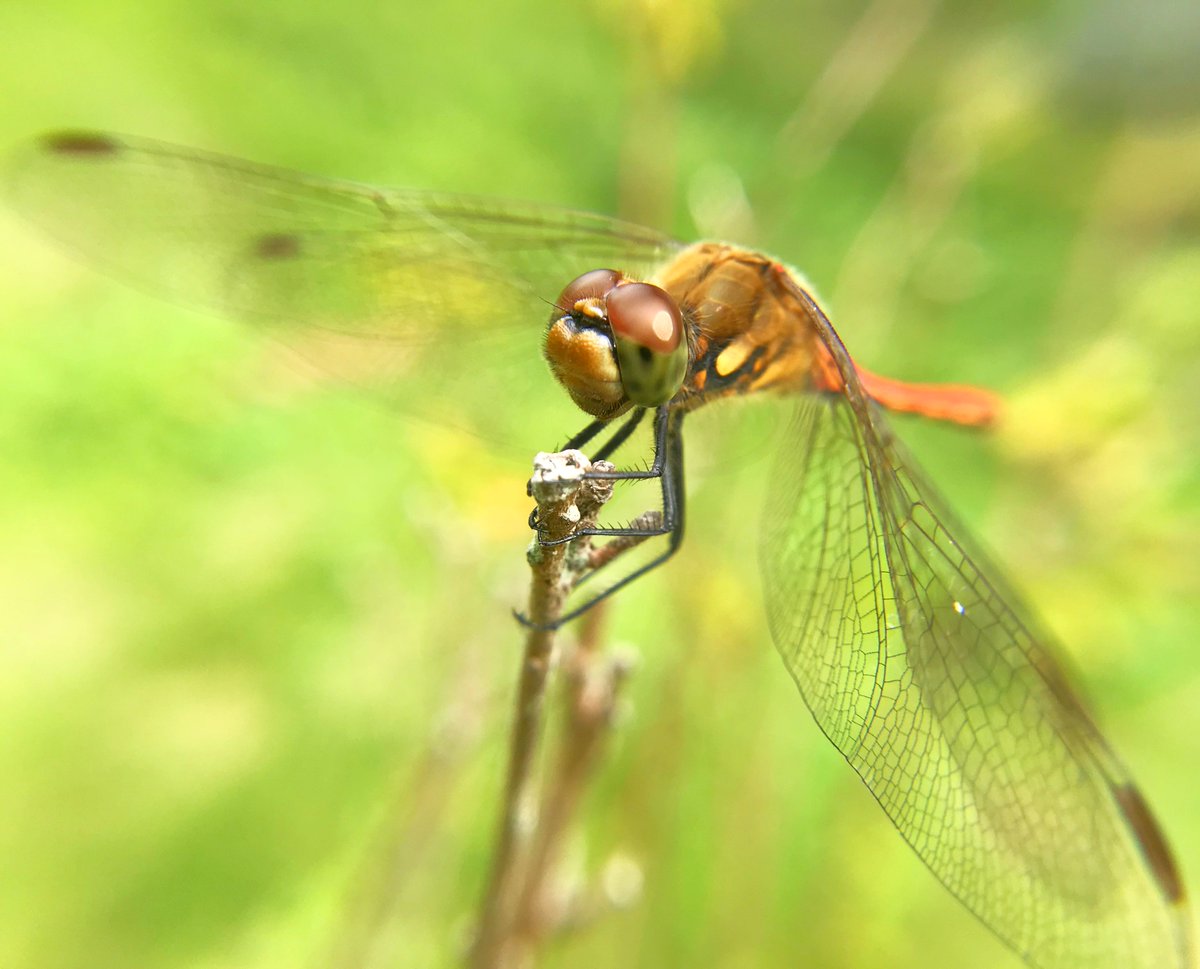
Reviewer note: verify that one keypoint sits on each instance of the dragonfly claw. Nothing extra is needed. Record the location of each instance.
(536, 525)
(528, 623)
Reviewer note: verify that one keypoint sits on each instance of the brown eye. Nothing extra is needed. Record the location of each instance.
(594, 284)
(646, 315)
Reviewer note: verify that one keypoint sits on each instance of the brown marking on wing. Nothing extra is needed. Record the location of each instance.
(277, 245)
(80, 143)
(1151, 841)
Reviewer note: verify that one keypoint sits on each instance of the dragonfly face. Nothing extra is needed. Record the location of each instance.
(614, 343)
(915, 657)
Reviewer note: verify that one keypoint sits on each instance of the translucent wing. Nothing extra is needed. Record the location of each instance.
(917, 665)
(373, 285)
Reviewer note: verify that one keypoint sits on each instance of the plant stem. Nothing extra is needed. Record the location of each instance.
(566, 501)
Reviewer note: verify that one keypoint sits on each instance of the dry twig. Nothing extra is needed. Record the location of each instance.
(517, 910)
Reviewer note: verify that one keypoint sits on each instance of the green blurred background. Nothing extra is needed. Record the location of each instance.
(255, 630)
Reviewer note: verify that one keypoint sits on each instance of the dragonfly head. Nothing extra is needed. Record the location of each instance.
(614, 343)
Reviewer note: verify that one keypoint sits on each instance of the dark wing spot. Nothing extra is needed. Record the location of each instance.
(1150, 840)
(79, 143)
(277, 245)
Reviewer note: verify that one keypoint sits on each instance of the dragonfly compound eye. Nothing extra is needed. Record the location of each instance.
(591, 285)
(579, 345)
(651, 350)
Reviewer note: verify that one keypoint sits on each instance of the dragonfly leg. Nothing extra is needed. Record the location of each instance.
(619, 437)
(666, 430)
(668, 460)
(671, 521)
(614, 442)
(580, 439)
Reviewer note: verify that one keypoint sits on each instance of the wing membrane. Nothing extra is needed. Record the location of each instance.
(373, 285)
(950, 706)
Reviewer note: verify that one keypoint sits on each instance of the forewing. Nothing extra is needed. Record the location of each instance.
(920, 669)
(376, 286)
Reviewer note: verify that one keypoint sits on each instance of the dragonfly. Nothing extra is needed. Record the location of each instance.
(916, 658)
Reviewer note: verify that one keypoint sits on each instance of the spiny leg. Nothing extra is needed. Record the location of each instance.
(669, 462)
(667, 425)
(620, 436)
(614, 442)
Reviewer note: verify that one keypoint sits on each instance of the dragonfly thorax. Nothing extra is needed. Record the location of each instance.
(614, 344)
